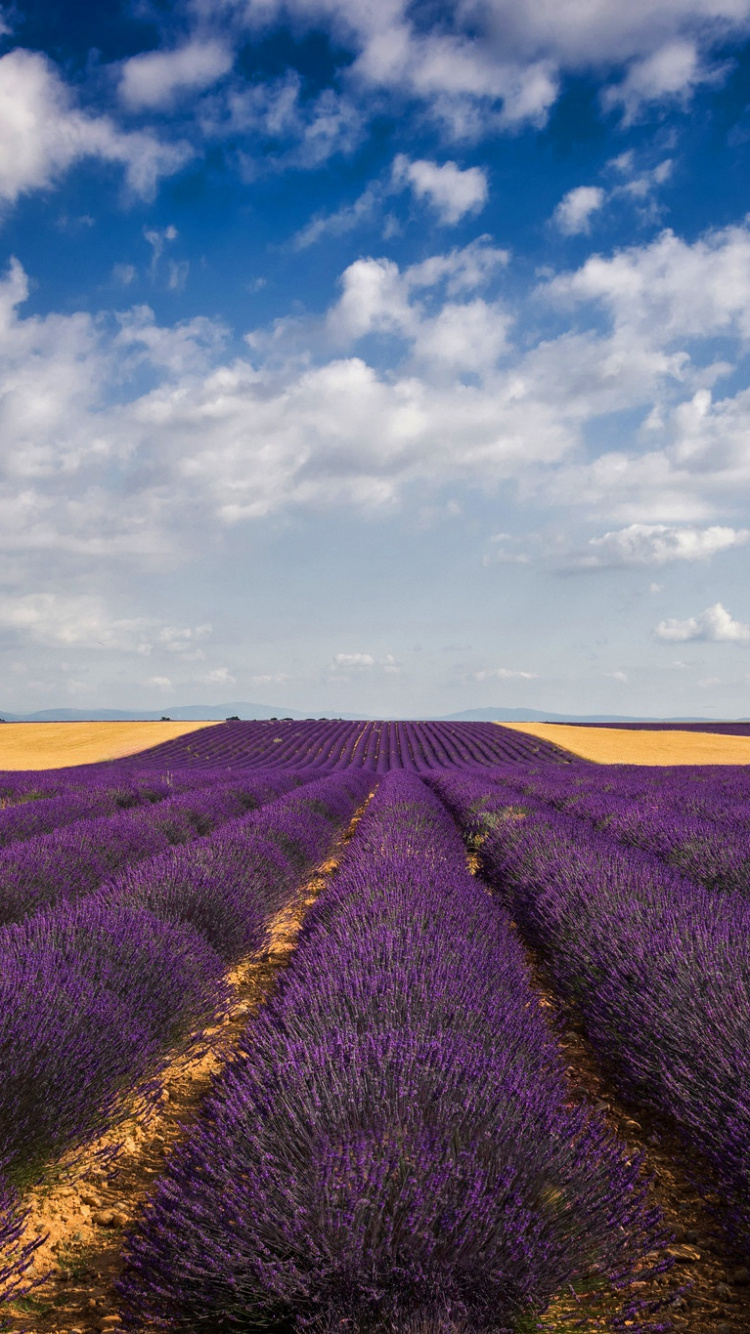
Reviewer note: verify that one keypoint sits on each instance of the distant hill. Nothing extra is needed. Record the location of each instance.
(260, 712)
(538, 716)
(185, 713)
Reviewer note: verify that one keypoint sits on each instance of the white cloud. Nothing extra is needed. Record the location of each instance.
(660, 544)
(57, 620)
(673, 71)
(353, 660)
(453, 193)
(160, 682)
(670, 288)
(288, 129)
(155, 79)
(42, 133)
(622, 677)
(344, 220)
(575, 210)
(504, 674)
(378, 297)
(500, 65)
(158, 238)
(574, 213)
(270, 678)
(219, 676)
(93, 463)
(183, 640)
(344, 663)
(715, 624)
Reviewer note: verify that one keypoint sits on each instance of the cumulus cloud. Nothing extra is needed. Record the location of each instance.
(218, 676)
(61, 621)
(673, 71)
(378, 297)
(575, 210)
(504, 674)
(155, 79)
(670, 288)
(501, 63)
(453, 193)
(111, 438)
(637, 185)
(660, 544)
(344, 663)
(83, 621)
(42, 133)
(160, 682)
(715, 624)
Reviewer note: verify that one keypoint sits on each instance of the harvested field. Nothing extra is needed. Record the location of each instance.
(62, 745)
(615, 745)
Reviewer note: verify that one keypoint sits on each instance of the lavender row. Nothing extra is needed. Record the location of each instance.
(324, 745)
(697, 821)
(92, 993)
(395, 1149)
(71, 862)
(19, 788)
(659, 966)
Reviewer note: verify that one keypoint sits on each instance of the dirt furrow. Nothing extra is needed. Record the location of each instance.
(86, 1200)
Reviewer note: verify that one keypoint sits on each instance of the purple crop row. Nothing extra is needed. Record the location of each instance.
(696, 820)
(395, 1149)
(325, 745)
(124, 779)
(70, 862)
(92, 993)
(659, 966)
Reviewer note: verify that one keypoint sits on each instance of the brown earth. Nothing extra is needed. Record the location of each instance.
(61, 745)
(614, 745)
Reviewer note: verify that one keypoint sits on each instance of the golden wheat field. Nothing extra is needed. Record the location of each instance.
(614, 745)
(61, 745)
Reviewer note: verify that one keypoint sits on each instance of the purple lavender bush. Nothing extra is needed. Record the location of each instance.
(70, 862)
(89, 997)
(395, 1148)
(659, 967)
(93, 993)
(228, 886)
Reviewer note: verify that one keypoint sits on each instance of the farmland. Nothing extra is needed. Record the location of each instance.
(622, 745)
(52, 745)
(413, 1027)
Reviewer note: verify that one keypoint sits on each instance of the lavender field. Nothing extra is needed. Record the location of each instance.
(396, 1131)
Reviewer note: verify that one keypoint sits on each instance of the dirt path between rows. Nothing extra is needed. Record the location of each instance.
(85, 1202)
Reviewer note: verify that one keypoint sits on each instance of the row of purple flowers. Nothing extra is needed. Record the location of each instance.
(396, 1148)
(658, 965)
(93, 992)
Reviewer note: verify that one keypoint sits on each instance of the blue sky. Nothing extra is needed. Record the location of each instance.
(385, 358)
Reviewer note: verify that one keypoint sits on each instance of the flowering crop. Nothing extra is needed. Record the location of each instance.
(659, 966)
(698, 821)
(70, 862)
(395, 1148)
(92, 992)
(323, 746)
